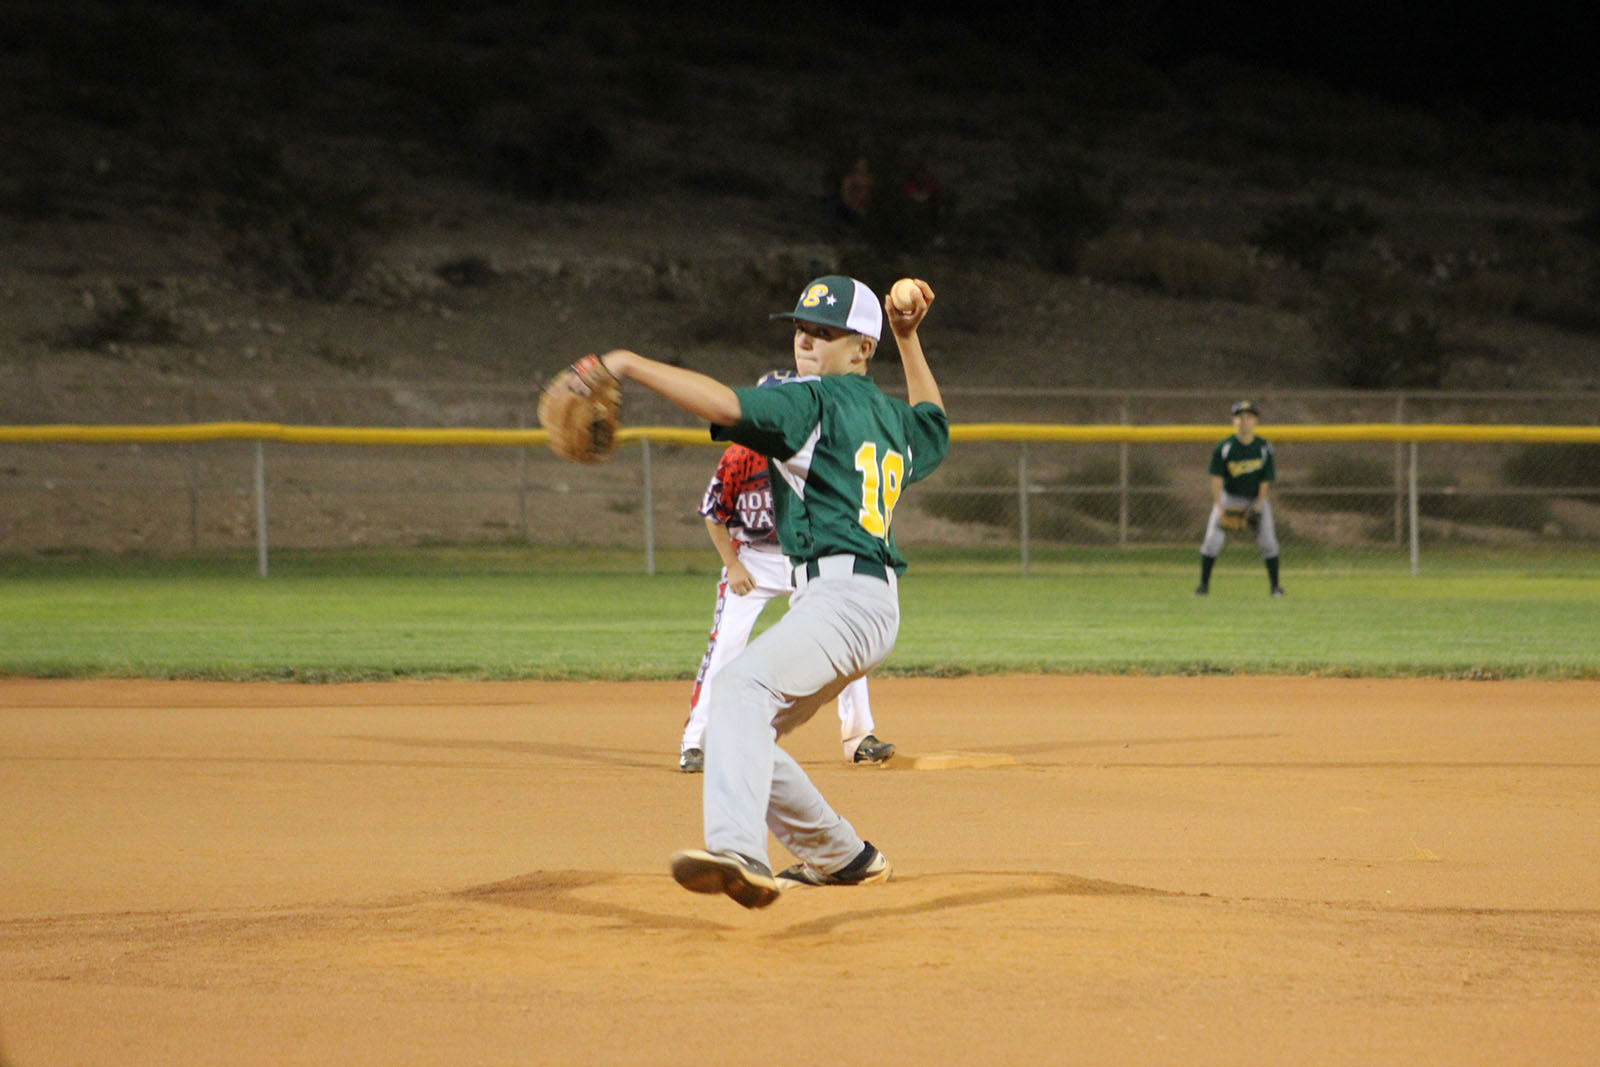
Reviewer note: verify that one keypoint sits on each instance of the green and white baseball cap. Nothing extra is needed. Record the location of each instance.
(844, 303)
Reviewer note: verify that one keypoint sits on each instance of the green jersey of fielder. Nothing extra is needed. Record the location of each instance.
(840, 452)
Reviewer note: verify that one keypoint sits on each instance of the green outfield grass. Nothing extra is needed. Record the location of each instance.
(512, 612)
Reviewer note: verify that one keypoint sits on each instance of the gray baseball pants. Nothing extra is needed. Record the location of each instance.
(838, 627)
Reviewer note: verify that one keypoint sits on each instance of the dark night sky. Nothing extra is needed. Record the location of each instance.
(1536, 58)
(1531, 59)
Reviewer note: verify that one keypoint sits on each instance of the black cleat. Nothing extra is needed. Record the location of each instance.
(747, 881)
(868, 868)
(692, 761)
(871, 750)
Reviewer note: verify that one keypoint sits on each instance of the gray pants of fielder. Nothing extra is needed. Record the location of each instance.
(1266, 535)
(838, 627)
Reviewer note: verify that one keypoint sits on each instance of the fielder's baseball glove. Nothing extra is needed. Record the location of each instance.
(1239, 519)
(580, 409)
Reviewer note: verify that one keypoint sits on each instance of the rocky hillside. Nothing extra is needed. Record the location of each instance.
(342, 193)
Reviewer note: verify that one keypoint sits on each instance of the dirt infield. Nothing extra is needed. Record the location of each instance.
(1175, 870)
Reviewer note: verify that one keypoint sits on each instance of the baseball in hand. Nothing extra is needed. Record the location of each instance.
(905, 294)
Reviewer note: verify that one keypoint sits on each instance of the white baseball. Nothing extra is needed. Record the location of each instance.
(905, 294)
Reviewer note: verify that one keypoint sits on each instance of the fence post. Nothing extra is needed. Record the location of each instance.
(1399, 472)
(1022, 501)
(1411, 493)
(649, 510)
(261, 509)
(194, 471)
(1122, 482)
(522, 478)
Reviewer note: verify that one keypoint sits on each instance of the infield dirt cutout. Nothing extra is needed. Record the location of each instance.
(1172, 870)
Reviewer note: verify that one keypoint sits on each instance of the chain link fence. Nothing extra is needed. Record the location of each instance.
(1004, 495)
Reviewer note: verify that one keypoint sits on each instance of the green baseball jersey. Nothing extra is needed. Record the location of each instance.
(841, 451)
(1243, 467)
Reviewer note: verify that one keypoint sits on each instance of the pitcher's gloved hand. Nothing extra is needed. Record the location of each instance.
(580, 408)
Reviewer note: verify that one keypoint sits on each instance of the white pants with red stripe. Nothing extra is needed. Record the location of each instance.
(731, 625)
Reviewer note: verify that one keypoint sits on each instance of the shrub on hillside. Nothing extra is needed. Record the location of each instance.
(33, 199)
(1173, 266)
(544, 153)
(726, 181)
(1534, 151)
(1587, 225)
(312, 236)
(130, 319)
(1057, 216)
(1567, 307)
(1381, 337)
(1307, 234)
(1570, 301)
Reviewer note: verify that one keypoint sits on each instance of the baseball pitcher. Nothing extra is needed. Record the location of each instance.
(841, 452)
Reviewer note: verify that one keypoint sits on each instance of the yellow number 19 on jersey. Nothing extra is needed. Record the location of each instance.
(875, 519)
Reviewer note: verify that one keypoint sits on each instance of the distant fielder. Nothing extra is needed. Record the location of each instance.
(1242, 473)
(737, 508)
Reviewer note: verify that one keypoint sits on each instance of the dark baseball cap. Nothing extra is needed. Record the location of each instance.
(840, 302)
(1243, 406)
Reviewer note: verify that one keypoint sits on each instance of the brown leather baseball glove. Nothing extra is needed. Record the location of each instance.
(580, 408)
(1239, 519)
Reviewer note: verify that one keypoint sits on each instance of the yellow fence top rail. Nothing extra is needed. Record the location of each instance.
(994, 431)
